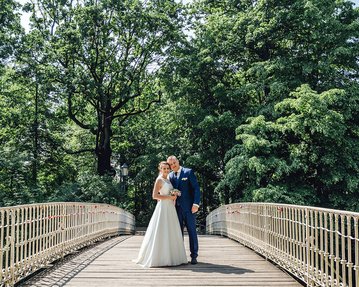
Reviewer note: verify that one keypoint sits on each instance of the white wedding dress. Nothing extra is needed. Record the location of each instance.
(163, 243)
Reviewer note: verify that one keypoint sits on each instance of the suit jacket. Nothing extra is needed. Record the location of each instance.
(189, 187)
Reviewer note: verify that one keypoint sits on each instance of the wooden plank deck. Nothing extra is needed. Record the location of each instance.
(222, 262)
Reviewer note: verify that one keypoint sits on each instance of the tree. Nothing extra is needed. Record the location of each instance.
(275, 46)
(10, 29)
(105, 57)
(272, 48)
(307, 155)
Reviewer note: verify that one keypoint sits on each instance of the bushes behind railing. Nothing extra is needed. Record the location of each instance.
(319, 246)
(32, 236)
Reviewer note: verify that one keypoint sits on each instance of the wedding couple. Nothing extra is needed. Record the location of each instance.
(163, 242)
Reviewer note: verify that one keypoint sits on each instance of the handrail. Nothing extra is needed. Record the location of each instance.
(318, 246)
(34, 235)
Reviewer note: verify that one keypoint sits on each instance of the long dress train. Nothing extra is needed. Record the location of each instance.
(163, 242)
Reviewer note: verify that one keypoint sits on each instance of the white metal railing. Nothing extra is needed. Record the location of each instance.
(32, 236)
(319, 246)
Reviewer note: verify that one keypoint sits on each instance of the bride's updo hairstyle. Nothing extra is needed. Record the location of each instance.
(163, 162)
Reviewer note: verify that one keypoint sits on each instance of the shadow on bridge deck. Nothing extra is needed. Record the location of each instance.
(222, 262)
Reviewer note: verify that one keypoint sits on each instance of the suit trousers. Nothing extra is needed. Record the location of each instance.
(188, 219)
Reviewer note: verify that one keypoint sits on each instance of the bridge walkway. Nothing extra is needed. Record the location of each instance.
(222, 262)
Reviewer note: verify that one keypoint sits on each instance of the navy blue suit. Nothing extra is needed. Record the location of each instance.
(190, 194)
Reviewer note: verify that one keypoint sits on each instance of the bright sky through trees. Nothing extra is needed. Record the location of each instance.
(25, 17)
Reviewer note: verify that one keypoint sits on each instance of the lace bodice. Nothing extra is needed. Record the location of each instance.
(166, 187)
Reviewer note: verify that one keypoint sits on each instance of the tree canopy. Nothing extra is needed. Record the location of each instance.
(260, 98)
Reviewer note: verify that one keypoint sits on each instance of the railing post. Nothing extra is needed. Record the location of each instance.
(2, 224)
(12, 247)
(265, 232)
(356, 251)
(307, 238)
(63, 232)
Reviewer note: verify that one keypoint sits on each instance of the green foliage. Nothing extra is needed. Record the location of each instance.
(102, 60)
(260, 99)
(10, 29)
(307, 155)
(281, 194)
(14, 170)
(90, 187)
(31, 164)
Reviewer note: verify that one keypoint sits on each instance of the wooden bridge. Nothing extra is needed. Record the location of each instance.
(222, 262)
(74, 244)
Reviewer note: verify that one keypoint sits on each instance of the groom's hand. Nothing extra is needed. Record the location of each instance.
(194, 208)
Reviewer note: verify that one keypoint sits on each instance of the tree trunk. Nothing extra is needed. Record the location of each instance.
(103, 146)
(36, 135)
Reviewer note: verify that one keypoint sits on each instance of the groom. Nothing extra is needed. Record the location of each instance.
(187, 204)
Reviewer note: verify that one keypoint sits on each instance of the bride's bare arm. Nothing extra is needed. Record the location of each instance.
(156, 189)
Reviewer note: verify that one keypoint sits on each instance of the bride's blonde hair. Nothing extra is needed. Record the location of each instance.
(160, 164)
(163, 162)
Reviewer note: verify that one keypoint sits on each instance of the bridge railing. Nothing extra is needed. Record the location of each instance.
(319, 246)
(32, 236)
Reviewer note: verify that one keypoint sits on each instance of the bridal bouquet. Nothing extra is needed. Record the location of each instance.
(175, 192)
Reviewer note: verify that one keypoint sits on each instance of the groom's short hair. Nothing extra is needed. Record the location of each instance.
(172, 157)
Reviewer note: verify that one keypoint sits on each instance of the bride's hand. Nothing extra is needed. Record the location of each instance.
(173, 197)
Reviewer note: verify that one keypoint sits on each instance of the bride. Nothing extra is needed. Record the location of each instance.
(163, 243)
